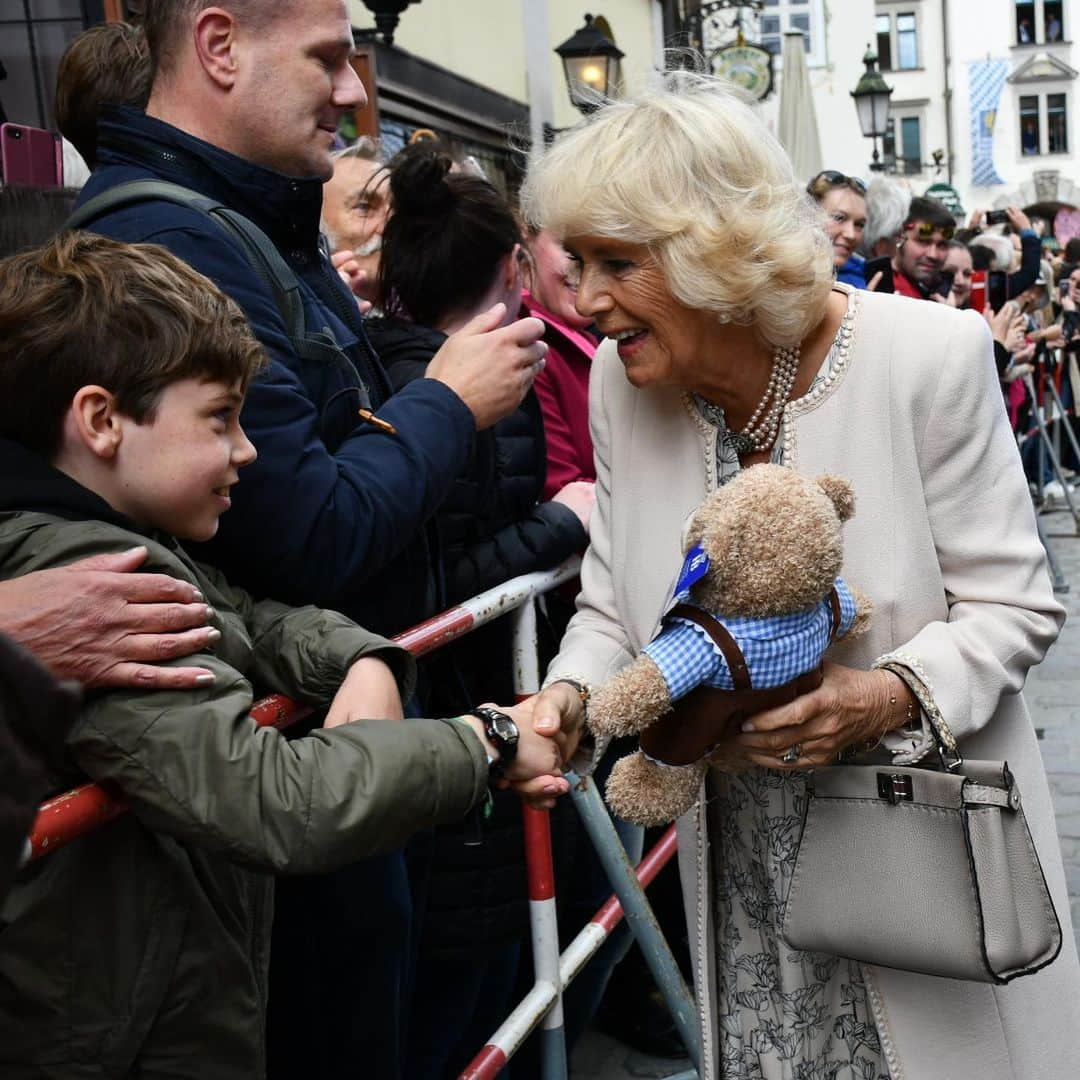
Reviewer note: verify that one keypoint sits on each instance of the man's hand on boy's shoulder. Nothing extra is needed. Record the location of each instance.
(98, 622)
(369, 692)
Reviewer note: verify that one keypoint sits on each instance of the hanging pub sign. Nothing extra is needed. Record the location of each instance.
(748, 66)
(947, 194)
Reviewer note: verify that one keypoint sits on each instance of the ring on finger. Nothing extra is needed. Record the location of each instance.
(791, 754)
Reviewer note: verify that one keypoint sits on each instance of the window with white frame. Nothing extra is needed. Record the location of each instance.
(897, 39)
(1038, 22)
(903, 143)
(1044, 123)
(778, 17)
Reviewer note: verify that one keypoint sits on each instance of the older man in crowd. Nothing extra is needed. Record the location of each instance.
(244, 108)
(356, 204)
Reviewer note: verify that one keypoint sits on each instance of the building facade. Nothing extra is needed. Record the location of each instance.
(984, 93)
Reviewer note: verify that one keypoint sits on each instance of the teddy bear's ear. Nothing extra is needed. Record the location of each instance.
(840, 495)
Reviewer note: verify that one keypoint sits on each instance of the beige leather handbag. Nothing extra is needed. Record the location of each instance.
(922, 869)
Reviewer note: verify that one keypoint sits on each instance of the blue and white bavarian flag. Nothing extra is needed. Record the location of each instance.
(986, 79)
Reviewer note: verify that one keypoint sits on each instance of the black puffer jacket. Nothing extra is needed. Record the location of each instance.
(491, 528)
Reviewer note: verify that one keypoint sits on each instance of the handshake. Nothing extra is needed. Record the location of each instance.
(549, 726)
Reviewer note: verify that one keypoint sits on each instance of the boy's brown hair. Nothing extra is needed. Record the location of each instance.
(133, 318)
(106, 65)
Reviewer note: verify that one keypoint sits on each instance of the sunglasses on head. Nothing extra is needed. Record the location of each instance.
(831, 176)
(924, 230)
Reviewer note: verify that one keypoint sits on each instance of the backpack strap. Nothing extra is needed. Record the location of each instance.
(265, 259)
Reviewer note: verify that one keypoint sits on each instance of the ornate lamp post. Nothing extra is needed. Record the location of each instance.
(591, 64)
(872, 104)
(387, 16)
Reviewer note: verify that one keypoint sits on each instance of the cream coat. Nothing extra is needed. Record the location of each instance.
(944, 541)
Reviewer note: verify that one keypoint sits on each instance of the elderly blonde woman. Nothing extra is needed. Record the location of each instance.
(728, 343)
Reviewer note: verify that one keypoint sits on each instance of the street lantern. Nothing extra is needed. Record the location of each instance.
(591, 63)
(872, 104)
(387, 16)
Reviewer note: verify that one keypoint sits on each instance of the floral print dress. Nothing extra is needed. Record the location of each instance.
(783, 1014)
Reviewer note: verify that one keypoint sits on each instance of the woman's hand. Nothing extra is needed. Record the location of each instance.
(556, 714)
(579, 496)
(1053, 336)
(850, 708)
(369, 692)
(1017, 218)
(536, 771)
(1007, 325)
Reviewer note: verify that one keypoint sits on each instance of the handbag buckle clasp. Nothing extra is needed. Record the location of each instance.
(895, 788)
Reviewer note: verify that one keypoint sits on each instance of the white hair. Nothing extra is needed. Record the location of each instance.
(364, 149)
(887, 205)
(686, 167)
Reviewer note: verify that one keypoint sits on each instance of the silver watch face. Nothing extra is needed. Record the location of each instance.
(505, 728)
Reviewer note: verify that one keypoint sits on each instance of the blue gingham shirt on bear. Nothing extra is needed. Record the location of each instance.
(776, 649)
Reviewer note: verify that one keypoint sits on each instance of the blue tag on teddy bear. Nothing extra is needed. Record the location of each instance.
(695, 567)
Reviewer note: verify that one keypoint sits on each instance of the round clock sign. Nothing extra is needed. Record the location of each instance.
(748, 66)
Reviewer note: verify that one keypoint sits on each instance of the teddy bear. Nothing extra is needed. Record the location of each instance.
(758, 602)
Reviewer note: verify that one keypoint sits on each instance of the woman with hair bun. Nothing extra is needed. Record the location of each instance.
(452, 250)
(729, 343)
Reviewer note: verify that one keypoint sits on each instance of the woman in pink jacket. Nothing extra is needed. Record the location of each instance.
(563, 385)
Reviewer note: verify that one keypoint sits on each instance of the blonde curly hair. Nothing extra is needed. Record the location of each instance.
(685, 167)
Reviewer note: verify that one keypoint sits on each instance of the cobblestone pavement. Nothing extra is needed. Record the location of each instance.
(1053, 697)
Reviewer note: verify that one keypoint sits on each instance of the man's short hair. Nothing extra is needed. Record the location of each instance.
(106, 65)
(167, 22)
(931, 211)
(84, 310)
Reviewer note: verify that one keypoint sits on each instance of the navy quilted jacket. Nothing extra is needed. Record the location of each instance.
(334, 512)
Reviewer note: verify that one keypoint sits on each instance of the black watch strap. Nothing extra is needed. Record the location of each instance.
(502, 732)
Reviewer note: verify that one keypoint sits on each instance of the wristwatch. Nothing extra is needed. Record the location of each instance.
(502, 732)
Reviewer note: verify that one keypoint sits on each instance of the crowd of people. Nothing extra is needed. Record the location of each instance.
(267, 400)
(886, 240)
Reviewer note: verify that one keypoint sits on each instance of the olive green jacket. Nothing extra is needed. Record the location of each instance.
(143, 947)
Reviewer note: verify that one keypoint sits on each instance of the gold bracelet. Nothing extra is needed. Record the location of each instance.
(909, 713)
(582, 692)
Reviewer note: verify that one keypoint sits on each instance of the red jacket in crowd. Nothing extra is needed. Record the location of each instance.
(563, 390)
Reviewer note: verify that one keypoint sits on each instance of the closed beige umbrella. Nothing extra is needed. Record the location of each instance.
(798, 128)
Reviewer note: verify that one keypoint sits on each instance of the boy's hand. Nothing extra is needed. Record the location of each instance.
(536, 771)
(369, 692)
(102, 625)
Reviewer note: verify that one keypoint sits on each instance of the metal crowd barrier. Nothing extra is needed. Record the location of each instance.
(80, 811)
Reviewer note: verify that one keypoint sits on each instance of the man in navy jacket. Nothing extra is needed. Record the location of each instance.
(245, 103)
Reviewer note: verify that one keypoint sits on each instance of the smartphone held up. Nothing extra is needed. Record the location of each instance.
(31, 157)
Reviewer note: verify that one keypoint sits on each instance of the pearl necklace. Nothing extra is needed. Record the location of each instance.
(761, 430)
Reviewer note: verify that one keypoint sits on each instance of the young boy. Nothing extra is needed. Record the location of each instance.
(141, 949)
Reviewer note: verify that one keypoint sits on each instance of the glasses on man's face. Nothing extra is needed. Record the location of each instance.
(838, 179)
(924, 231)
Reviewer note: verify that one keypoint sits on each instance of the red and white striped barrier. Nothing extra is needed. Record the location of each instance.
(517, 1026)
(83, 809)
